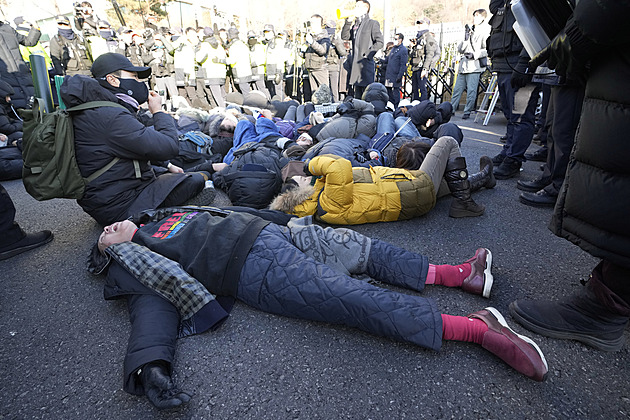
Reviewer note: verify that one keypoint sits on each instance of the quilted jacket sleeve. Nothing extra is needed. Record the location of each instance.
(337, 178)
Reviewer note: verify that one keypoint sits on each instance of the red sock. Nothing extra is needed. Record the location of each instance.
(461, 328)
(448, 275)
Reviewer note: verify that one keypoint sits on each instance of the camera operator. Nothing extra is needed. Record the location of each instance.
(425, 53)
(84, 19)
(315, 52)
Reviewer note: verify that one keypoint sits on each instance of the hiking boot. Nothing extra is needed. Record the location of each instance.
(485, 176)
(509, 168)
(498, 159)
(30, 241)
(480, 280)
(580, 317)
(516, 350)
(466, 115)
(456, 176)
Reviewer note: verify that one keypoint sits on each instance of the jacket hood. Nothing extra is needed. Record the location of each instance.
(5, 90)
(79, 89)
(422, 112)
(287, 201)
(266, 127)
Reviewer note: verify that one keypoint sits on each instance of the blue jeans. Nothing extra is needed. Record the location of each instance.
(385, 123)
(520, 127)
(468, 82)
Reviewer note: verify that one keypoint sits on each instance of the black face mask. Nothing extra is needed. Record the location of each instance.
(137, 90)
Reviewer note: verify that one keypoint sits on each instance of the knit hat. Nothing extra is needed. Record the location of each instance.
(322, 95)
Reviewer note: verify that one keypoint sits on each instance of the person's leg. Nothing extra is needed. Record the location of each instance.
(566, 117)
(472, 82)
(244, 88)
(385, 123)
(278, 278)
(434, 163)
(524, 127)
(185, 190)
(11, 162)
(291, 113)
(415, 86)
(451, 130)
(13, 240)
(260, 85)
(458, 90)
(217, 95)
(10, 231)
(409, 130)
(506, 94)
(399, 267)
(358, 91)
(424, 94)
(333, 77)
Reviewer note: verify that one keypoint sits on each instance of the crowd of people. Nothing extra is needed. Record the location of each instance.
(217, 142)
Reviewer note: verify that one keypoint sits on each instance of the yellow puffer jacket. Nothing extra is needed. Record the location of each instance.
(351, 196)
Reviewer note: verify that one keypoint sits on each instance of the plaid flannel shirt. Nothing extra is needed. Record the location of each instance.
(162, 275)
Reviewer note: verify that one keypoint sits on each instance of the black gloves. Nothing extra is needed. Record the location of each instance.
(159, 388)
(567, 54)
(520, 79)
(345, 107)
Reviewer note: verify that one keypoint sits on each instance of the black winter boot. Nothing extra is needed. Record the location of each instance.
(579, 317)
(456, 176)
(483, 178)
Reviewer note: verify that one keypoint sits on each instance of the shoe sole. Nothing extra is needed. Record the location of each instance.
(535, 204)
(605, 345)
(17, 251)
(487, 275)
(506, 176)
(528, 340)
(529, 189)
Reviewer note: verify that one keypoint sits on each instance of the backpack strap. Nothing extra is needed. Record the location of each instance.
(95, 104)
(103, 170)
(98, 104)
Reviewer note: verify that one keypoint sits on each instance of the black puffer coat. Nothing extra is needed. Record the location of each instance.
(13, 69)
(592, 208)
(9, 122)
(102, 134)
(355, 150)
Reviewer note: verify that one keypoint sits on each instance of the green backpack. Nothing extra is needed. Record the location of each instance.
(50, 166)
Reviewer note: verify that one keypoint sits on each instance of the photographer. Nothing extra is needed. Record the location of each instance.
(472, 63)
(315, 53)
(84, 19)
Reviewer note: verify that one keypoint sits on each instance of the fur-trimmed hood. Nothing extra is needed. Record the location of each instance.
(288, 200)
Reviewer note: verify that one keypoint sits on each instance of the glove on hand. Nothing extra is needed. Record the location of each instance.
(519, 79)
(344, 107)
(159, 387)
(567, 53)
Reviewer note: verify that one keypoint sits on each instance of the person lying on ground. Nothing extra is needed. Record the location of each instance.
(337, 193)
(300, 270)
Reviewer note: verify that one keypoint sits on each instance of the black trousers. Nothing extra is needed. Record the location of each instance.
(10, 231)
(185, 190)
(563, 117)
(611, 286)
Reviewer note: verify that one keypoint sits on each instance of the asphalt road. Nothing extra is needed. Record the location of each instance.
(62, 346)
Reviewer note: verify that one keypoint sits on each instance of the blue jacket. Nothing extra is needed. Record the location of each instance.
(246, 132)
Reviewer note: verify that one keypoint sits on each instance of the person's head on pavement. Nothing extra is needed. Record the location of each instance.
(116, 233)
